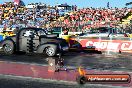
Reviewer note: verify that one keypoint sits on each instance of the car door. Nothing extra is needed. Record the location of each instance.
(28, 41)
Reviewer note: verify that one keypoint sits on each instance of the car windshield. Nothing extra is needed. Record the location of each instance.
(42, 32)
(103, 30)
(106, 30)
(99, 30)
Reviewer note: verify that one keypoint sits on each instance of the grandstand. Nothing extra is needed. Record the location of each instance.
(43, 15)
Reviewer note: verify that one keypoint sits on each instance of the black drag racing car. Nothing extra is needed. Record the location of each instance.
(34, 40)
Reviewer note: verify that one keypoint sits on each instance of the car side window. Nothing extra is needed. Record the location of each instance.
(29, 33)
(41, 32)
(103, 30)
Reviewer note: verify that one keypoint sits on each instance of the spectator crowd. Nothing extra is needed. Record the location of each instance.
(42, 15)
(96, 17)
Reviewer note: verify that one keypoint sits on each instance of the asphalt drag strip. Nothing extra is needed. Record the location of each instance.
(37, 71)
(33, 65)
(8, 81)
(122, 62)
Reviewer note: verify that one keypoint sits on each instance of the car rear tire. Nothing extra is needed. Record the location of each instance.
(50, 51)
(8, 47)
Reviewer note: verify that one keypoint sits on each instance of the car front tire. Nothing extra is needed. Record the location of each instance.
(50, 51)
(8, 47)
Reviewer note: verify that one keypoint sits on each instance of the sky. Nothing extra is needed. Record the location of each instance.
(81, 3)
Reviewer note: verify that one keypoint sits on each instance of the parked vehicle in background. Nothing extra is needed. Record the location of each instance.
(104, 32)
(34, 40)
(5, 34)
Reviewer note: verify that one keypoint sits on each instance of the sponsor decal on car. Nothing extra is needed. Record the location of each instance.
(103, 45)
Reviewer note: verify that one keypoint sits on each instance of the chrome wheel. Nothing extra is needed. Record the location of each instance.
(50, 51)
(8, 48)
